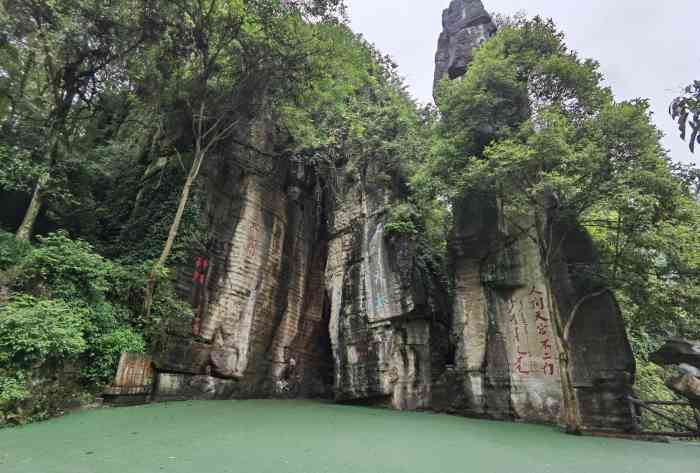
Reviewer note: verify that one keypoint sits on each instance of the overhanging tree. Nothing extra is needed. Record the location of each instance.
(65, 51)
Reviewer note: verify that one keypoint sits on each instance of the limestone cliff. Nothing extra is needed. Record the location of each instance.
(522, 333)
(301, 293)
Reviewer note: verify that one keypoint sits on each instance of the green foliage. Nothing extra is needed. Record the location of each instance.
(145, 229)
(402, 220)
(13, 389)
(12, 251)
(115, 104)
(105, 350)
(57, 59)
(355, 113)
(17, 171)
(532, 124)
(72, 312)
(65, 268)
(653, 261)
(36, 331)
(39, 340)
(685, 109)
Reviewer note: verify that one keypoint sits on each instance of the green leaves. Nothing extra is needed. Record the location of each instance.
(403, 220)
(685, 109)
(105, 349)
(12, 251)
(35, 331)
(66, 268)
(70, 308)
(13, 388)
(17, 170)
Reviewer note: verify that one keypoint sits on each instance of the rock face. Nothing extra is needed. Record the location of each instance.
(300, 292)
(466, 25)
(687, 386)
(514, 326)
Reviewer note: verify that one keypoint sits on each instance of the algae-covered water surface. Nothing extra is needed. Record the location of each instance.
(306, 437)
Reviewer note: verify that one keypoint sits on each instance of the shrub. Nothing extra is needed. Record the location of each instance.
(127, 283)
(39, 340)
(102, 358)
(403, 219)
(13, 388)
(12, 251)
(65, 268)
(34, 331)
(71, 316)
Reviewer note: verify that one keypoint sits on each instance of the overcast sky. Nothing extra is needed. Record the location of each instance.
(646, 48)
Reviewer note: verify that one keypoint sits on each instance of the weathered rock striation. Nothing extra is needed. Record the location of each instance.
(301, 293)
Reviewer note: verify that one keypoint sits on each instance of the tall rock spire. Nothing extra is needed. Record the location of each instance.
(533, 344)
(465, 25)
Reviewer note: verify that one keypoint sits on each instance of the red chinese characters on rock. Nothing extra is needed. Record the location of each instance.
(520, 328)
(542, 325)
(199, 280)
(200, 273)
(521, 363)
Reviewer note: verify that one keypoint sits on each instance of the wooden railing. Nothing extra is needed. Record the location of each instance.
(651, 407)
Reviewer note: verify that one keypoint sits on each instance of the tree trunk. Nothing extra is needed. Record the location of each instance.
(172, 233)
(550, 252)
(26, 229)
(572, 418)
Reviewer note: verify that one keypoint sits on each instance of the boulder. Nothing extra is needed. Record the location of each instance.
(687, 386)
(677, 351)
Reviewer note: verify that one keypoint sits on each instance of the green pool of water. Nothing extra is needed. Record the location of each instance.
(306, 437)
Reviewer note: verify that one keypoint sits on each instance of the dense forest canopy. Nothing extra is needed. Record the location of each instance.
(110, 110)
